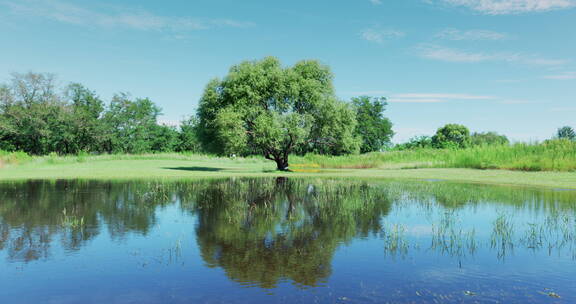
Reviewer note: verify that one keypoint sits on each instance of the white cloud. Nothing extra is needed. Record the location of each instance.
(505, 7)
(380, 36)
(65, 12)
(434, 97)
(455, 55)
(562, 76)
(451, 55)
(376, 2)
(414, 100)
(515, 101)
(455, 34)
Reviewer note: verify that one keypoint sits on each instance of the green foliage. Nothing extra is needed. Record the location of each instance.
(451, 136)
(488, 138)
(129, 124)
(164, 138)
(87, 109)
(36, 120)
(374, 129)
(262, 107)
(566, 132)
(416, 142)
(188, 140)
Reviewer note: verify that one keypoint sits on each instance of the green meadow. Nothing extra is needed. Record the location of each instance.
(410, 165)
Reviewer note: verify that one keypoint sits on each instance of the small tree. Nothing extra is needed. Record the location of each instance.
(262, 107)
(566, 132)
(451, 136)
(416, 142)
(374, 129)
(488, 139)
(188, 136)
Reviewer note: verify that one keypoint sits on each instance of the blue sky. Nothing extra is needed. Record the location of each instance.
(493, 65)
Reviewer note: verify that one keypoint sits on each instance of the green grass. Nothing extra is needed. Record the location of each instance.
(179, 166)
(557, 155)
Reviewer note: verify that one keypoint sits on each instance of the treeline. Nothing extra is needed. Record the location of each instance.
(455, 136)
(260, 107)
(39, 118)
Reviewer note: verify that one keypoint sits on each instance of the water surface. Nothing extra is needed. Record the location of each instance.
(285, 241)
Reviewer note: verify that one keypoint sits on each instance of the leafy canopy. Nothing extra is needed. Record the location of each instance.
(488, 139)
(263, 107)
(374, 129)
(566, 133)
(451, 136)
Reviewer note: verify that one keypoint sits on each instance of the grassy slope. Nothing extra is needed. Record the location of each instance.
(146, 167)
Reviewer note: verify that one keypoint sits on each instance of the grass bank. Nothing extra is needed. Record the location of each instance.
(557, 155)
(181, 166)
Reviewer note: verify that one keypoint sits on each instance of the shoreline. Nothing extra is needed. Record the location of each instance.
(200, 169)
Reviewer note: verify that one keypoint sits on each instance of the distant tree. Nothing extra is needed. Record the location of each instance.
(87, 109)
(164, 138)
(488, 139)
(37, 119)
(34, 119)
(261, 107)
(566, 132)
(374, 129)
(451, 136)
(416, 142)
(129, 124)
(33, 88)
(188, 136)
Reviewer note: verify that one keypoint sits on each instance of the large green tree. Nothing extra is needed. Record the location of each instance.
(374, 129)
(263, 107)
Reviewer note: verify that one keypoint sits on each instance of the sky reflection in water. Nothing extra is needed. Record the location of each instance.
(285, 240)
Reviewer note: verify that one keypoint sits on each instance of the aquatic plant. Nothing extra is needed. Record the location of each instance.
(71, 220)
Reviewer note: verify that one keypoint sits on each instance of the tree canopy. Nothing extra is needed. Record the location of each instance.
(39, 118)
(566, 132)
(451, 136)
(373, 128)
(488, 139)
(263, 107)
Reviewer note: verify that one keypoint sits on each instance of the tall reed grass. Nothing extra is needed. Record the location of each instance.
(553, 155)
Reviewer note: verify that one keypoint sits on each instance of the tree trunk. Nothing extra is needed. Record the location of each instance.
(281, 162)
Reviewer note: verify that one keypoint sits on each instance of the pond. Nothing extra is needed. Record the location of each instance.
(278, 240)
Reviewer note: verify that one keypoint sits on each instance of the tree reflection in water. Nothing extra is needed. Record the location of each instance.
(264, 231)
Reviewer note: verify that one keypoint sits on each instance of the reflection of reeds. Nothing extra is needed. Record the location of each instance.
(395, 240)
(449, 238)
(556, 232)
(71, 220)
(502, 235)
